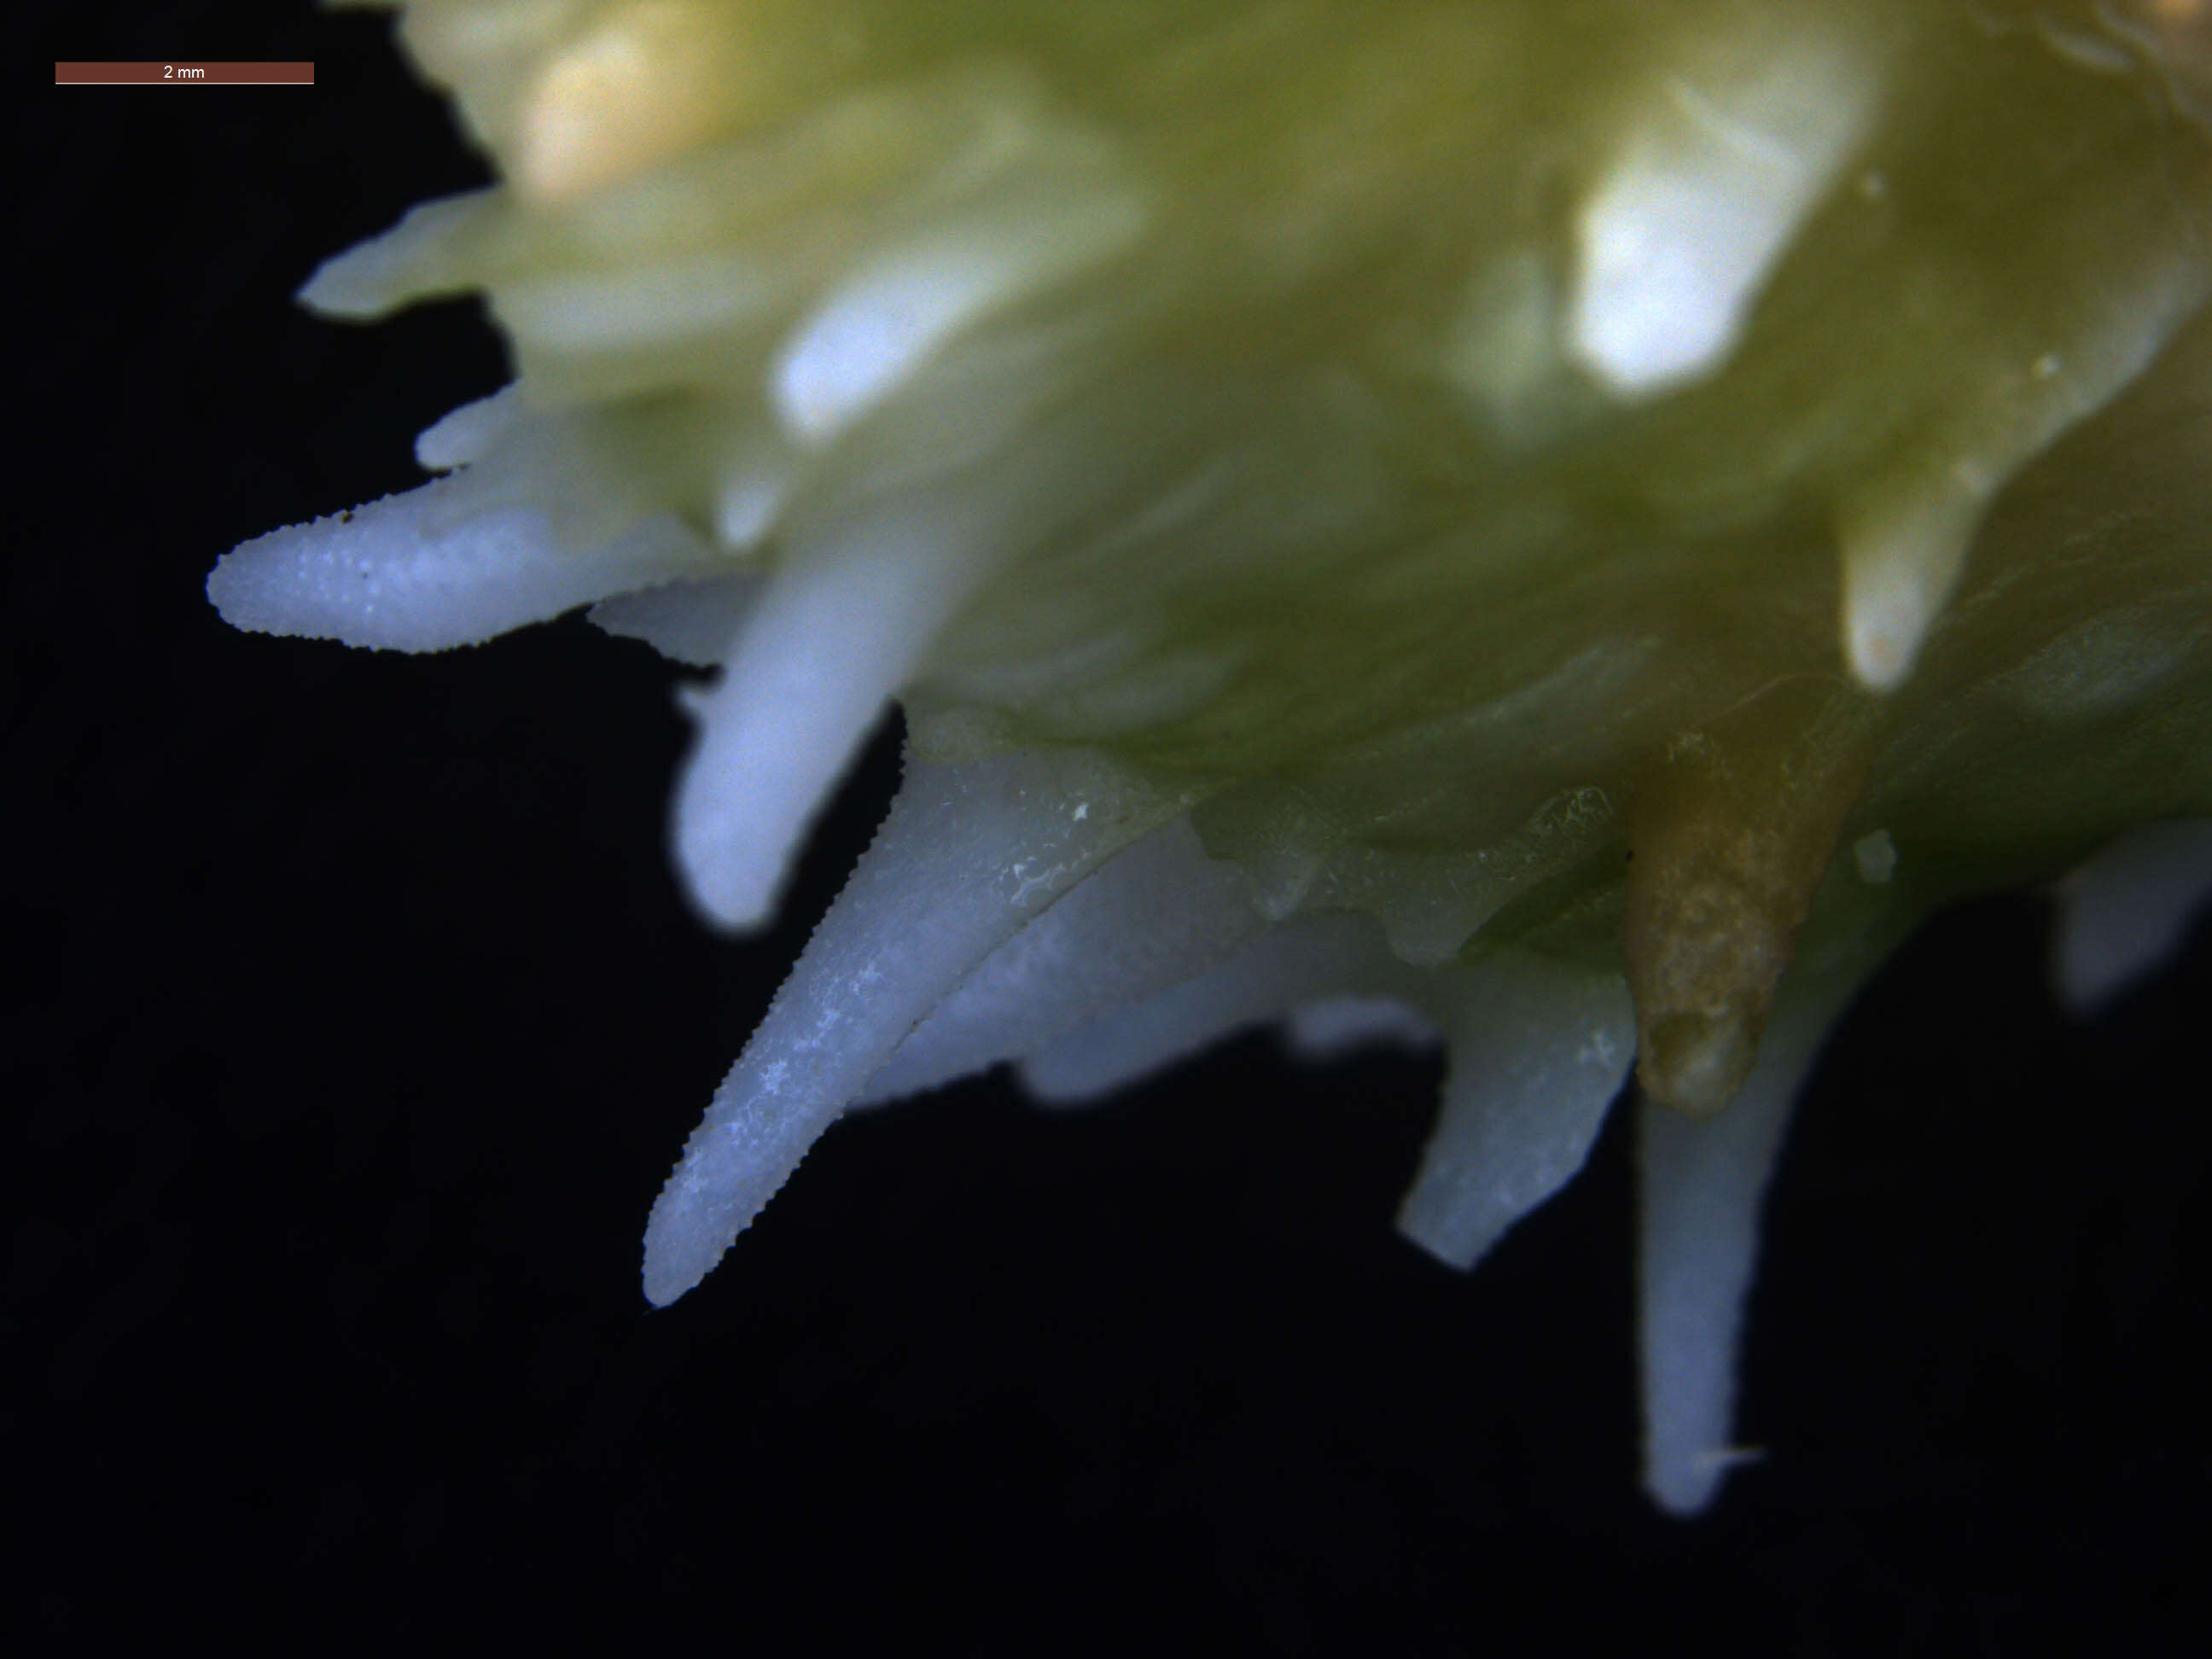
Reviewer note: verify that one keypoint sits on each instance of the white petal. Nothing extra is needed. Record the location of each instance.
(1905, 532)
(890, 317)
(835, 630)
(1159, 913)
(409, 573)
(1679, 240)
(1539, 1050)
(1315, 956)
(749, 498)
(467, 431)
(1703, 1186)
(969, 854)
(2124, 911)
(1336, 1026)
(690, 622)
(410, 261)
(663, 303)
(1902, 554)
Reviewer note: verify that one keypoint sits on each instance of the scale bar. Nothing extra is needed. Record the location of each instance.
(184, 75)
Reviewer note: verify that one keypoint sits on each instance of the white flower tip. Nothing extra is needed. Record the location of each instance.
(748, 501)
(1538, 1056)
(464, 435)
(2126, 909)
(1676, 244)
(1335, 1027)
(732, 835)
(422, 572)
(379, 576)
(1685, 1485)
(345, 285)
(410, 261)
(733, 878)
(1882, 645)
(676, 1258)
(1902, 558)
(893, 315)
(1703, 1186)
(688, 622)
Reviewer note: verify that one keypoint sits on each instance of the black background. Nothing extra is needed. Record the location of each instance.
(352, 1021)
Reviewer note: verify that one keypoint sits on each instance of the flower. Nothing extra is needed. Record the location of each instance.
(1568, 533)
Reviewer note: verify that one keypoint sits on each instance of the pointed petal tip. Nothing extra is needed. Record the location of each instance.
(1904, 542)
(1890, 603)
(732, 853)
(463, 434)
(337, 578)
(667, 1281)
(1684, 1487)
(943, 885)
(2125, 909)
(695, 1220)
(1881, 651)
(421, 571)
(1537, 1054)
(1703, 1194)
(409, 262)
(731, 891)
(335, 289)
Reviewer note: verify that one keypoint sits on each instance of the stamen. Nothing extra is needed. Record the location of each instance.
(1731, 838)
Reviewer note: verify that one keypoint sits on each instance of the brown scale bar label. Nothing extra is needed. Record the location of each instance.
(184, 75)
